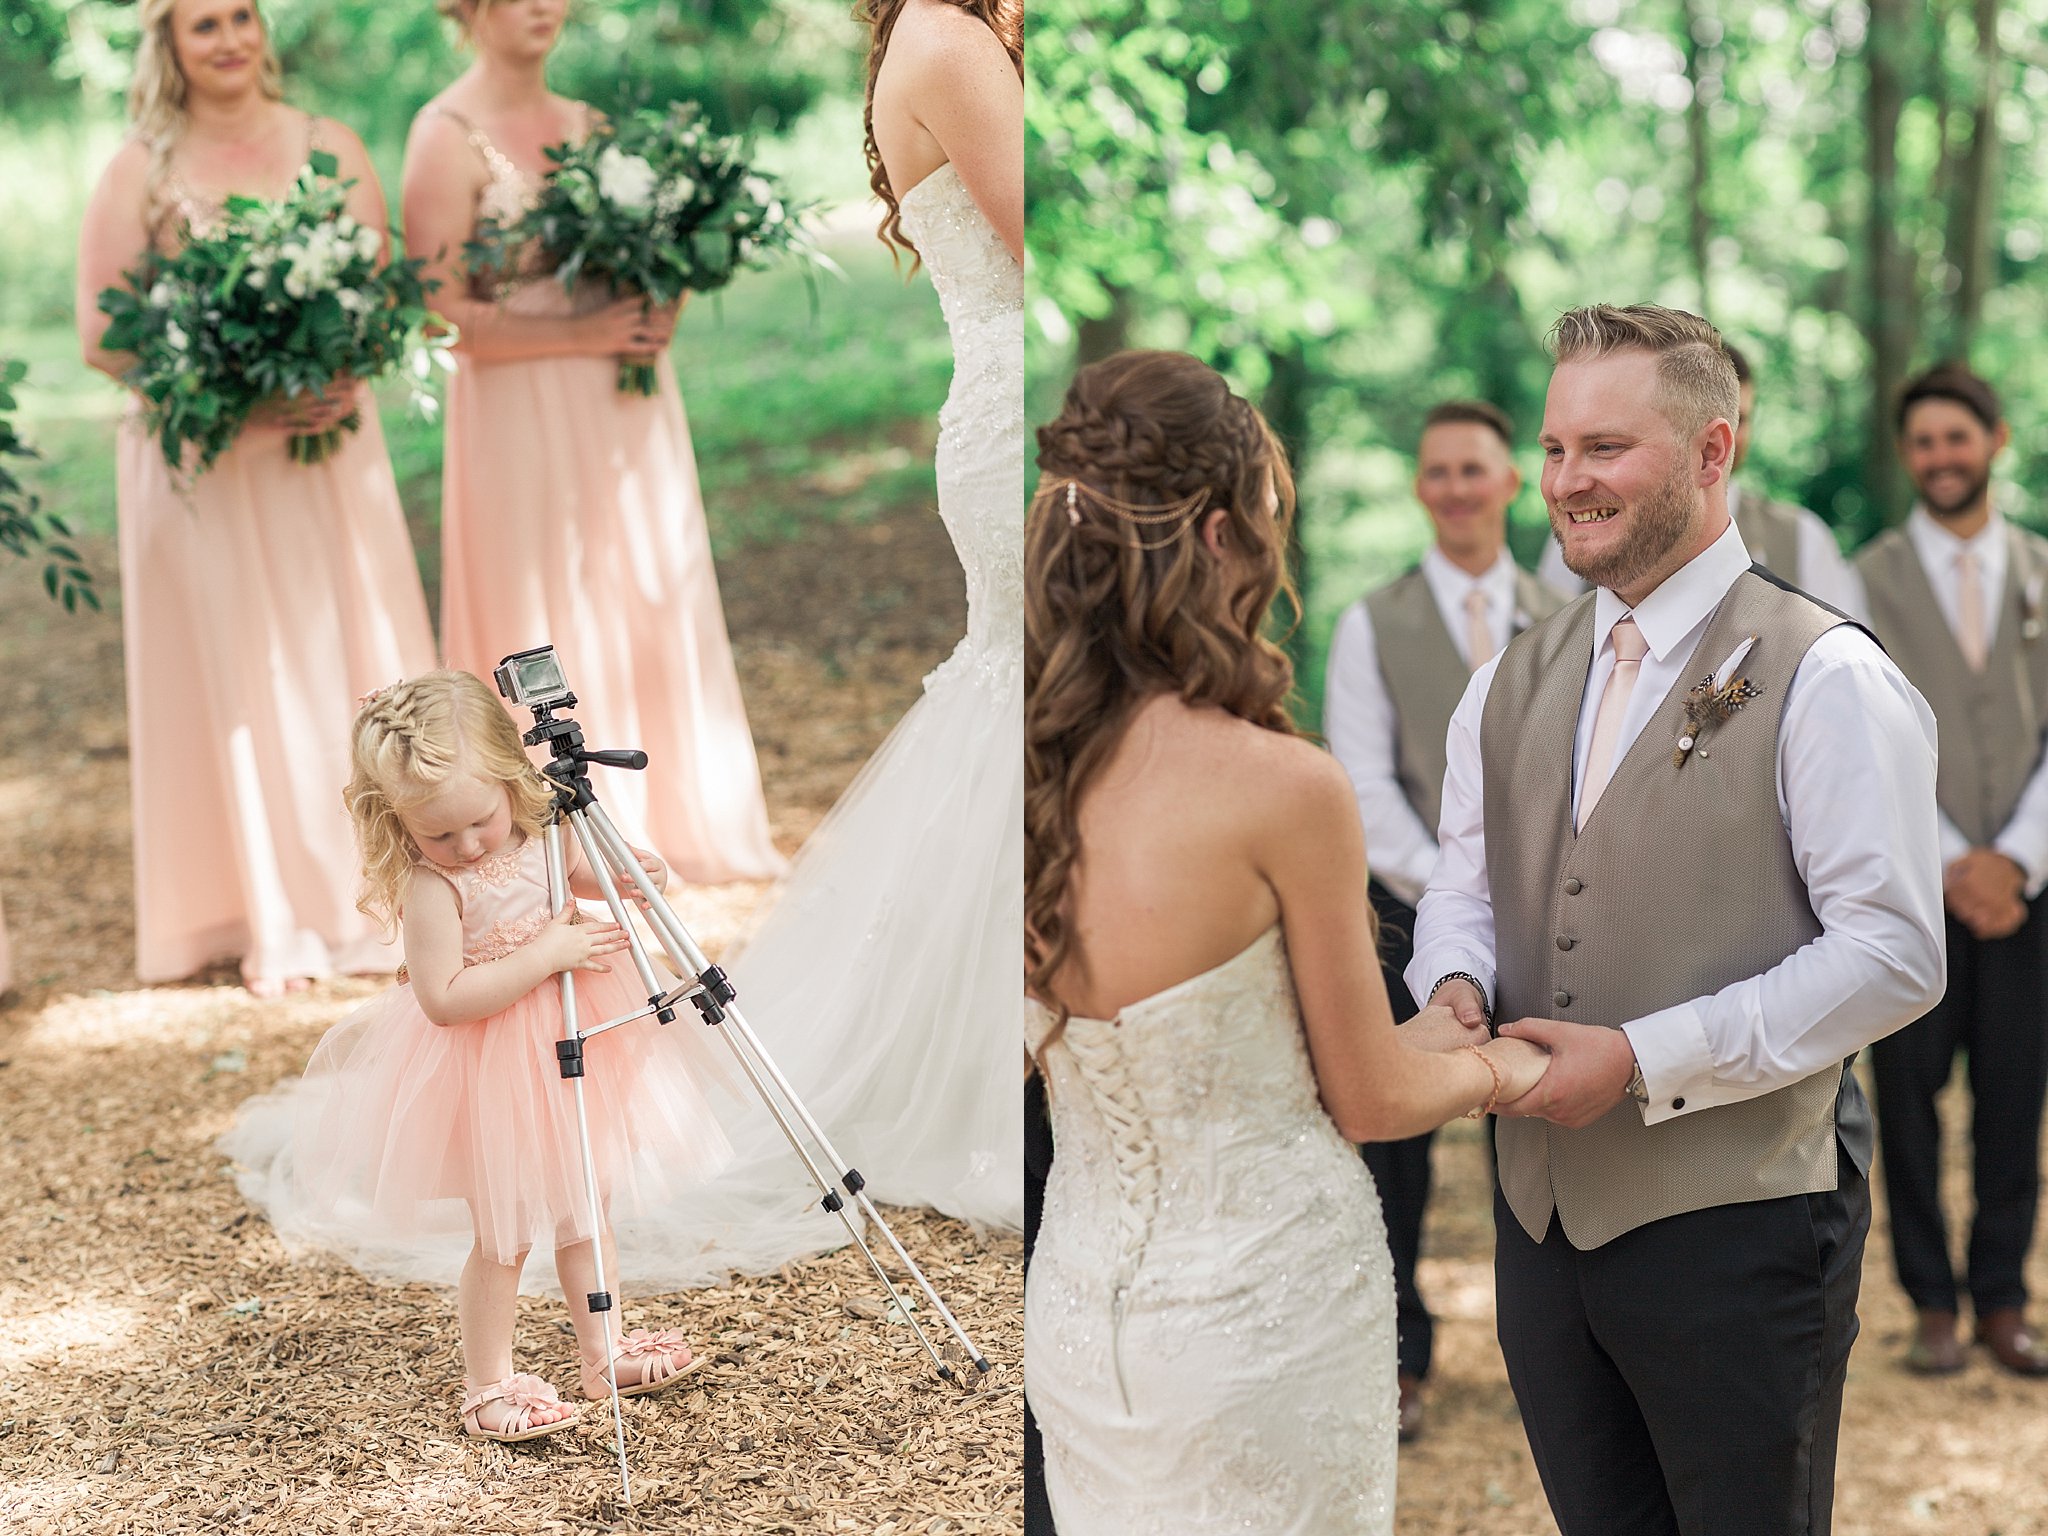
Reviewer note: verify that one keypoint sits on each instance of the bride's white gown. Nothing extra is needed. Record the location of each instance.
(884, 979)
(1211, 1304)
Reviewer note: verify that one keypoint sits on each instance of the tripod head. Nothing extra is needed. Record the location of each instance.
(534, 680)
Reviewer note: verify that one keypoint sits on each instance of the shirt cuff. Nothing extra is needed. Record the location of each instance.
(1434, 964)
(1678, 1063)
(2031, 864)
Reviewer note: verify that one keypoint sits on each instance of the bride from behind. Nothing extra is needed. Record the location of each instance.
(1210, 1307)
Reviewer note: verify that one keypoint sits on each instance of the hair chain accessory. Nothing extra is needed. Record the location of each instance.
(1183, 512)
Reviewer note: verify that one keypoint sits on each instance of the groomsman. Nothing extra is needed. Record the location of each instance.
(1957, 597)
(1688, 845)
(1785, 540)
(1398, 662)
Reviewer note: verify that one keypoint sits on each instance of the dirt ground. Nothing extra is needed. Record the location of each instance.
(166, 1367)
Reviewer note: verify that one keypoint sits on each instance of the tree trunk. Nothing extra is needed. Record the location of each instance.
(1969, 235)
(1098, 336)
(1285, 407)
(1698, 223)
(1888, 316)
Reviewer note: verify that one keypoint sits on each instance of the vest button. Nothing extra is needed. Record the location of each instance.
(1572, 886)
(1678, 1103)
(1564, 941)
(1562, 999)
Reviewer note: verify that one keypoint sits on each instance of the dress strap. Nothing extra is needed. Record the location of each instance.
(499, 163)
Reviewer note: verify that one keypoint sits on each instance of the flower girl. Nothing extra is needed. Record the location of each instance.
(438, 1106)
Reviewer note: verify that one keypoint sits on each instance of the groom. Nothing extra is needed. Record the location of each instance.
(1689, 846)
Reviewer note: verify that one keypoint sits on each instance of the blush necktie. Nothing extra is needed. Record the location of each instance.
(1970, 610)
(1478, 633)
(1629, 650)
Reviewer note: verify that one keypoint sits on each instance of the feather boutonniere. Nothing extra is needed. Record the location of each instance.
(2030, 607)
(1712, 700)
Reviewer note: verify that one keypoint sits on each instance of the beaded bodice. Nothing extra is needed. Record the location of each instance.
(174, 208)
(981, 426)
(504, 899)
(1197, 1105)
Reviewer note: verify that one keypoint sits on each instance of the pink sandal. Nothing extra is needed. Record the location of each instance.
(662, 1368)
(522, 1394)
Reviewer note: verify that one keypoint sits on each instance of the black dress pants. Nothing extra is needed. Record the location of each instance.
(1996, 1013)
(1401, 1168)
(1685, 1379)
(1037, 1165)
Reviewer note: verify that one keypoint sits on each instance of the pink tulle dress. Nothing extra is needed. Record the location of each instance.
(571, 516)
(405, 1136)
(258, 604)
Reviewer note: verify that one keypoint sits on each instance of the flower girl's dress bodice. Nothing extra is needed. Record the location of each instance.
(1211, 1308)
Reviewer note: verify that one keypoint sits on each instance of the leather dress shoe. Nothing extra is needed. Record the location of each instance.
(1936, 1351)
(2004, 1332)
(1411, 1409)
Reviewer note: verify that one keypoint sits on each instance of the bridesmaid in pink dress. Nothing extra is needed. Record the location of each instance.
(570, 512)
(260, 603)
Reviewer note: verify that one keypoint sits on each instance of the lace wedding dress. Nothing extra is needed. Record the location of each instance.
(884, 980)
(1211, 1303)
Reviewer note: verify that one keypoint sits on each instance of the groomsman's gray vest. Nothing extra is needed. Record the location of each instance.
(1770, 532)
(1681, 883)
(1990, 722)
(1425, 677)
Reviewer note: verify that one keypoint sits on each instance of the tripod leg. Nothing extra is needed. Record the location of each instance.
(570, 1053)
(761, 1071)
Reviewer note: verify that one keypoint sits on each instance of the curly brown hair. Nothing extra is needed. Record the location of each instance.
(1005, 18)
(1123, 600)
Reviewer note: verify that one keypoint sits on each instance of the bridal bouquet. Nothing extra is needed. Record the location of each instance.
(653, 204)
(284, 299)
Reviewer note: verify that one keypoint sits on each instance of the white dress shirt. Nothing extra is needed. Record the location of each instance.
(2024, 838)
(1824, 571)
(1855, 781)
(1361, 727)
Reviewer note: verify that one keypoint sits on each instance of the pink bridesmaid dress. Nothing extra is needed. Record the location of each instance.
(258, 604)
(570, 516)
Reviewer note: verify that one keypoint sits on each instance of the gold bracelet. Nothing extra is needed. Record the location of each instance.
(1492, 1098)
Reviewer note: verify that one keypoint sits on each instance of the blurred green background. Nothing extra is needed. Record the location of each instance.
(1355, 211)
(799, 412)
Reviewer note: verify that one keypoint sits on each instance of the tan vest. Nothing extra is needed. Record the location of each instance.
(1990, 722)
(1425, 677)
(1681, 883)
(1770, 532)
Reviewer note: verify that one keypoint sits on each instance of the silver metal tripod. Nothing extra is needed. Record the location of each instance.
(533, 679)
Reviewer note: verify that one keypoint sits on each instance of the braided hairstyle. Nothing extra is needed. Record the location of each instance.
(407, 742)
(1123, 599)
(1005, 18)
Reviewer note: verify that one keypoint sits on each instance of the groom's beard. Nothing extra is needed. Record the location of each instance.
(1656, 524)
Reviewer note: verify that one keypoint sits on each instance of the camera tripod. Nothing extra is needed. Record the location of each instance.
(533, 679)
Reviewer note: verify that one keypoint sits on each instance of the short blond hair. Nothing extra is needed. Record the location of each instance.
(1696, 382)
(408, 741)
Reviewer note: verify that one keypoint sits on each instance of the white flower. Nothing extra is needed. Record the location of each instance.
(175, 337)
(353, 300)
(758, 190)
(626, 181)
(161, 294)
(368, 245)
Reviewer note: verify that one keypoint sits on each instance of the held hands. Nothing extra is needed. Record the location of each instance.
(1522, 1068)
(1987, 893)
(1463, 999)
(1589, 1070)
(631, 328)
(569, 945)
(1440, 1028)
(307, 414)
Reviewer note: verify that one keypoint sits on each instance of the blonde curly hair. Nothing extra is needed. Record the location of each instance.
(156, 88)
(407, 742)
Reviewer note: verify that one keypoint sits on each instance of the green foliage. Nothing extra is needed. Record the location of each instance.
(1357, 211)
(24, 526)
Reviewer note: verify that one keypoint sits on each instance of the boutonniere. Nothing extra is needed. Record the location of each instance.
(1713, 699)
(2031, 624)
